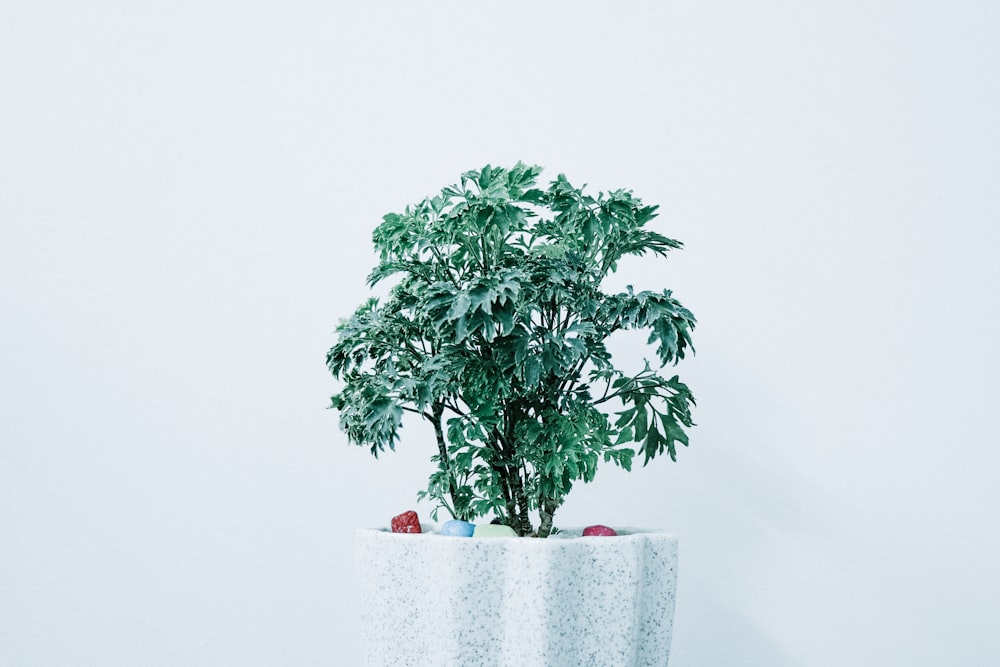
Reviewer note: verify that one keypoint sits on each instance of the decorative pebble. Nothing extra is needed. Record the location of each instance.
(494, 530)
(599, 531)
(407, 522)
(458, 528)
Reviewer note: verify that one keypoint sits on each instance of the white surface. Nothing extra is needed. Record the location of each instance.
(433, 601)
(186, 196)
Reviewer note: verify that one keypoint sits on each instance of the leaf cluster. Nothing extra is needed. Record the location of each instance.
(494, 332)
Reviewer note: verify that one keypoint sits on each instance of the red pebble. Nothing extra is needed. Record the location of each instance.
(599, 531)
(407, 522)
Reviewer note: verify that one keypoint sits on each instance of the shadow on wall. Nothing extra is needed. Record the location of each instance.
(746, 521)
(740, 565)
(714, 634)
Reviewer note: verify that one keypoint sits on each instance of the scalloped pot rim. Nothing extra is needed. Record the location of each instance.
(564, 534)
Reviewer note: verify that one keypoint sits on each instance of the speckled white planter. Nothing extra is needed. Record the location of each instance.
(434, 601)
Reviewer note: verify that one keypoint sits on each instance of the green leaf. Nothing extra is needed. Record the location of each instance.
(459, 307)
(625, 435)
(532, 370)
(640, 423)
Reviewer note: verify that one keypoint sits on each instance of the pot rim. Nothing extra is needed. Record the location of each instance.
(571, 535)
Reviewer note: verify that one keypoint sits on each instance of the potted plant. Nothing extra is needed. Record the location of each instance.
(494, 333)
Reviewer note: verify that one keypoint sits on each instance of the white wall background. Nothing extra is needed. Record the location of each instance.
(187, 192)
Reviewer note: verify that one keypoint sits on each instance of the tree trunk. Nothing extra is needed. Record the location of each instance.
(517, 507)
(508, 496)
(520, 522)
(445, 461)
(546, 510)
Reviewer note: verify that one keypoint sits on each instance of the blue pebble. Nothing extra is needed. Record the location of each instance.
(457, 528)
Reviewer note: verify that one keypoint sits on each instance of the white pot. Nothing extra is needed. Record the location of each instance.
(435, 601)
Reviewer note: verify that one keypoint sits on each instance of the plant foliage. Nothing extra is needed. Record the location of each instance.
(494, 332)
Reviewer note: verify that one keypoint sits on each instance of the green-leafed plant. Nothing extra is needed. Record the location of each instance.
(495, 332)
